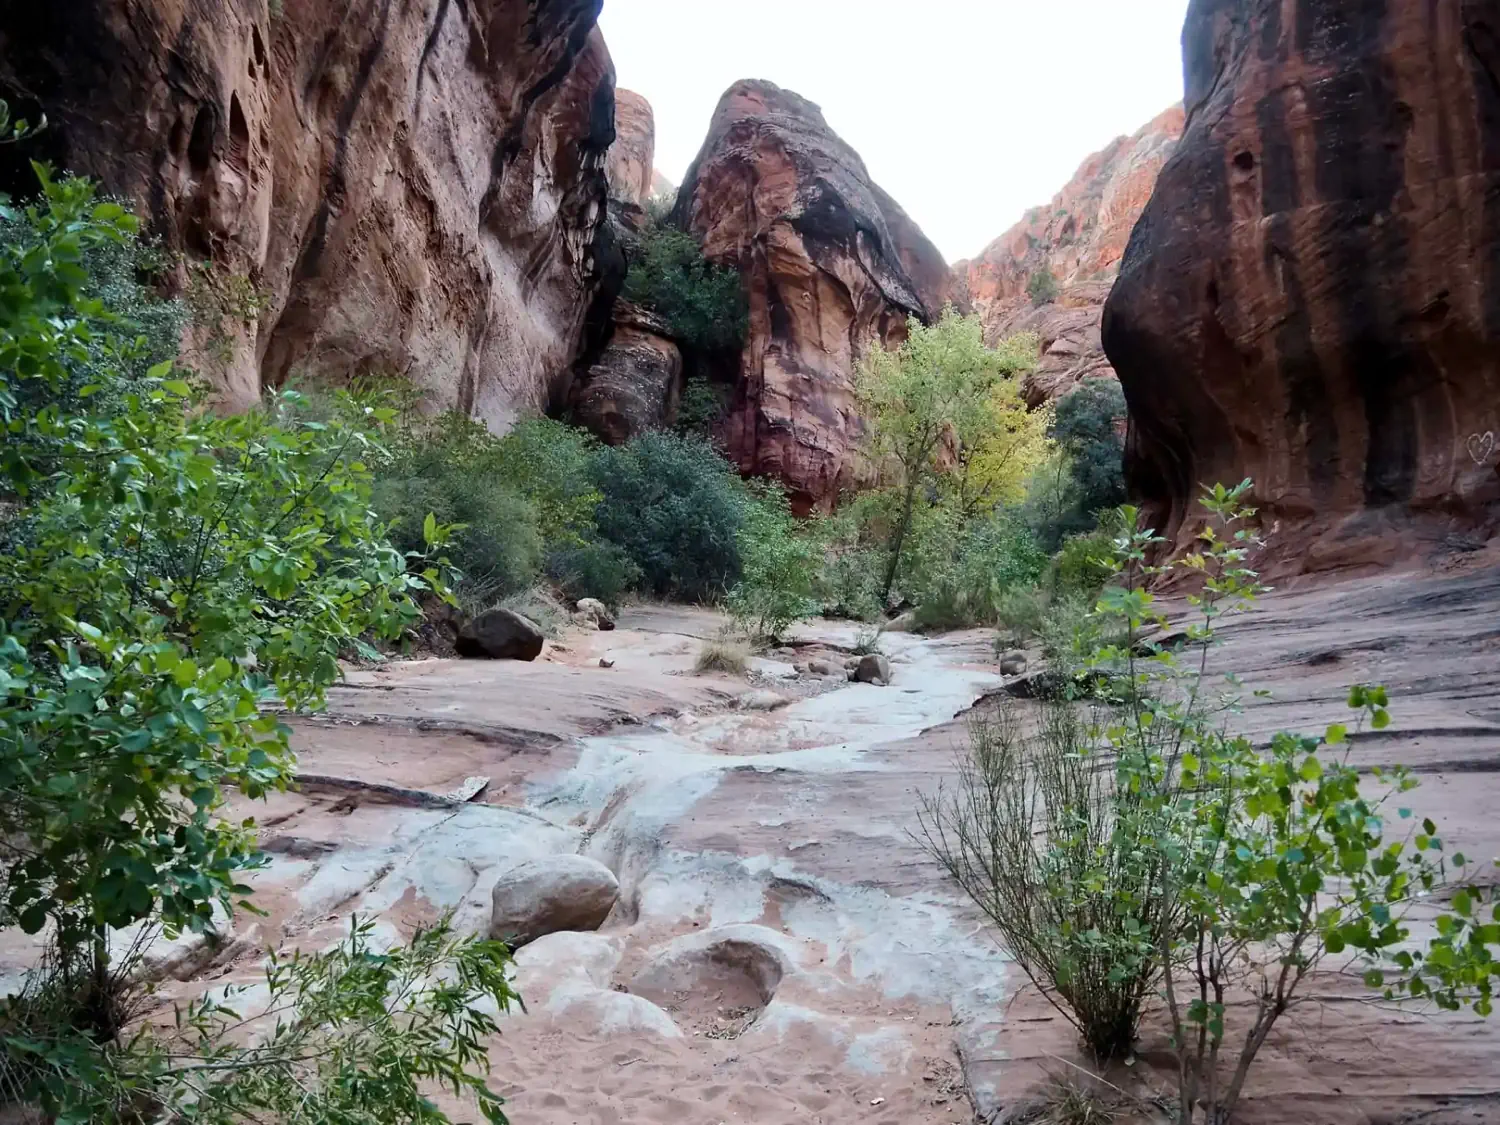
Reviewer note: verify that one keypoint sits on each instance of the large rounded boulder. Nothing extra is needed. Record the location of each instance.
(544, 896)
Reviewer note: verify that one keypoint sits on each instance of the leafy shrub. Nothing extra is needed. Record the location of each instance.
(1026, 833)
(704, 304)
(1020, 613)
(1041, 287)
(676, 508)
(518, 500)
(849, 583)
(778, 568)
(357, 1033)
(702, 407)
(171, 576)
(1173, 850)
(964, 574)
(594, 570)
(1083, 566)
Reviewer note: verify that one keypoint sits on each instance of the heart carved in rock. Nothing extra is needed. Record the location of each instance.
(1481, 446)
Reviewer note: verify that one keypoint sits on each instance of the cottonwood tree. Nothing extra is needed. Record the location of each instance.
(931, 406)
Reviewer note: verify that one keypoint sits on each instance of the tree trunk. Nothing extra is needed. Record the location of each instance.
(898, 540)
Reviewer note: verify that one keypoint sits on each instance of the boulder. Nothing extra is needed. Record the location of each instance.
(594, 613)
(636, 383)
(543, 896)
(1079, 238)
(1312, 296)
(823, 668)
(830, 263)
(384, 187)
(873, 668)
(500, 634)
(1013, 663)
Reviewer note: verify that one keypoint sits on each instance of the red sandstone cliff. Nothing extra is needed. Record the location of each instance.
(1079, 239)
(630, 167)
(830, 264)
(410, 188)
(1312, 296)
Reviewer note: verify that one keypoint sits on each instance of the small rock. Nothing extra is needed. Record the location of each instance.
(760, 701)
(593, 611)
(561, 892)
(852, 662)
(606, 662)
(877, 1101)
(873, 668)
(906, 623)
(822, 668)
(500, 634)
(801, 669)
(1013, 663)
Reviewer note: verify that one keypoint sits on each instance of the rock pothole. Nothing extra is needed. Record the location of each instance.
(716, 989)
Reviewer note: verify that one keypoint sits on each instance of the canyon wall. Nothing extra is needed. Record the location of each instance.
(367, 186)
(831, 266)
(1078, 239)
(630, 165)
(1312, 296)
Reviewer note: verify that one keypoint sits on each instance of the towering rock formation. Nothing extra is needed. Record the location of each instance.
(1077, 239)
(831, 266)
(630, 167)
(408, 188)
(1312, 296)
(635, 382)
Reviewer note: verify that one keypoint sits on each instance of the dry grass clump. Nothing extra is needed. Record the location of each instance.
(723, 654)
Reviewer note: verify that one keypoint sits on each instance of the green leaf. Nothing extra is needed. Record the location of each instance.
(33, 918)
(1335, 734)
(1380, 719)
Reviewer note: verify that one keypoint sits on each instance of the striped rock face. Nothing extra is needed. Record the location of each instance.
(405, 188)
(831, 265)
(1312, 296)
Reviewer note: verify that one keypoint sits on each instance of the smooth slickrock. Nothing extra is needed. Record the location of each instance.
(1312, 296)
(412, 189)
(831, 265)
(1079, 238)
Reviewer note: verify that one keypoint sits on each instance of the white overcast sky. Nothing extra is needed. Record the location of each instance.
(967, 111)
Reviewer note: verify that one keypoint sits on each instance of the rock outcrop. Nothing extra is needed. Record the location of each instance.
(636, 384)
(416, 189)
(1312, 296)
(630, 168)
(831, 265)
(1078, 239)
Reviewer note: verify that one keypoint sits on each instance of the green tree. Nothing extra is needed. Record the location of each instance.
(703, 304)
(1041, 287)
(924, 404)
(170, 579)
(1087, 423)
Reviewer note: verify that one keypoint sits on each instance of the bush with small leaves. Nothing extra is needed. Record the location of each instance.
(676, 509)
(173, 577)
(703, 304)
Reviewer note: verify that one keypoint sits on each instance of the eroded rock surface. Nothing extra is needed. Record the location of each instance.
(1079, 239)
(1312, 296)
(412, 189)
(636, 383)
(630, 168)
(831, 265)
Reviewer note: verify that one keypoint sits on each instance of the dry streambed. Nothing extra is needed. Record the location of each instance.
(776, 948)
